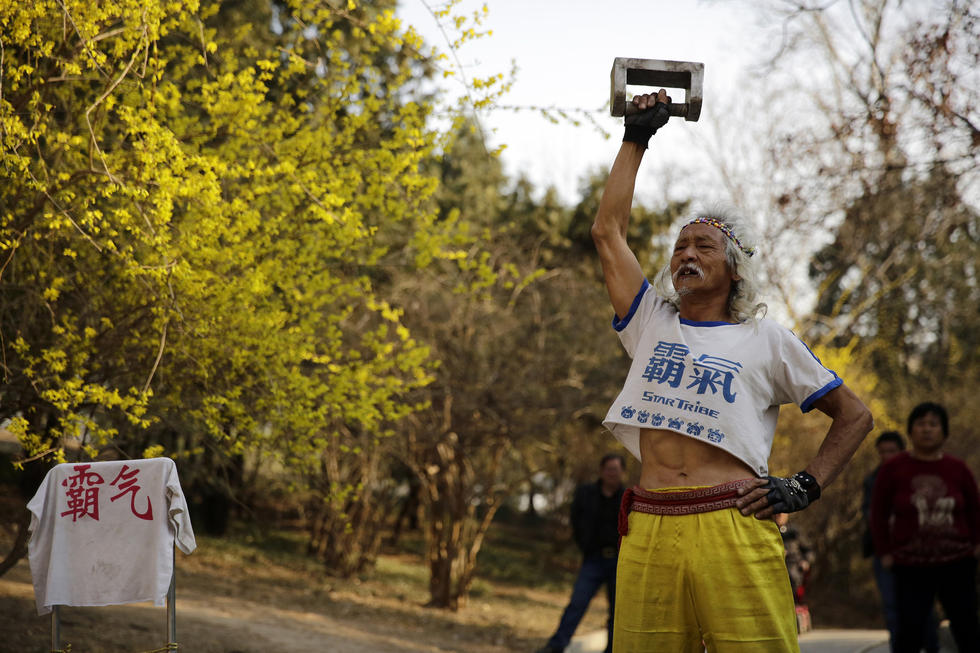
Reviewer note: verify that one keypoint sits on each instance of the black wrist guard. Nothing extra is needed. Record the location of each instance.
(641, 125)
(793, 493)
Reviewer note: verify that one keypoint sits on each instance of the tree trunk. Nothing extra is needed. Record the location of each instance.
(441, 555)
(19, 549)
(455, 533)
(467, 570)
(348, 513)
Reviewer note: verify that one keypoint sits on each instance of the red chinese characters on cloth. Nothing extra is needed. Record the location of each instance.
(82, 492)
(128, 485)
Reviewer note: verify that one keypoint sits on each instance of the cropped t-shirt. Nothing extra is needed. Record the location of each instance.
(718, 382)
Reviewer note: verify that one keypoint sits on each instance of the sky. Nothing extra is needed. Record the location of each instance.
(564, 52)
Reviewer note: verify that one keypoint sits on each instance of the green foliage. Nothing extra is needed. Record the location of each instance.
(195, 212)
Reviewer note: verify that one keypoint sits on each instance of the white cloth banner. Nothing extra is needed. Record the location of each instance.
(103, 533)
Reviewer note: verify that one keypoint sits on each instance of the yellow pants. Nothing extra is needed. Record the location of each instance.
(714, 580)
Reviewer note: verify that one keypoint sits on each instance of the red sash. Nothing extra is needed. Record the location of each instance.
(678, 502)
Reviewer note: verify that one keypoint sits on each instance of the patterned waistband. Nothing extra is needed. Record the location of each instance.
(678, 502)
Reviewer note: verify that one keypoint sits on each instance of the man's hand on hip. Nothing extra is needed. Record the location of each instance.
(774, 494)
(753, 499)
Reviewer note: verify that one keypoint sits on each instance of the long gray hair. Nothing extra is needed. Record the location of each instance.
(742, 304)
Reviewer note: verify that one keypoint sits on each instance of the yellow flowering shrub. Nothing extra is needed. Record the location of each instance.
(199, 207)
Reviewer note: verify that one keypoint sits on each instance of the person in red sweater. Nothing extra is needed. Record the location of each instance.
(925, 522)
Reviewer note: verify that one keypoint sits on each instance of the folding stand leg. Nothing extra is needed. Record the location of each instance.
(172, 608)
(55, 628)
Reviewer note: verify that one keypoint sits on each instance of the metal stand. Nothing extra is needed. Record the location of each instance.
(172, 608)
(55, 629)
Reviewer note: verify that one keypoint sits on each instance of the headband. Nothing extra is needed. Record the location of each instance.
(725, 229)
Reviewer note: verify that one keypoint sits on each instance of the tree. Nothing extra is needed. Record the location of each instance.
(527, 362)
(355, 485)
(889, 160)
(192, 221)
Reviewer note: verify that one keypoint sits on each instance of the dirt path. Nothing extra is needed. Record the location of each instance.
(270, 610)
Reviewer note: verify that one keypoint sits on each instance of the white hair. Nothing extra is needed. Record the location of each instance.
(742, 304)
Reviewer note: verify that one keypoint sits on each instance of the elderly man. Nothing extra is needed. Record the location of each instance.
(701, 562)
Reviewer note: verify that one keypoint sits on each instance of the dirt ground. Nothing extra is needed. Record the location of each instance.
(223, 606)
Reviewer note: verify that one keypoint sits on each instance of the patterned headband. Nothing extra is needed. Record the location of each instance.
(725, 229)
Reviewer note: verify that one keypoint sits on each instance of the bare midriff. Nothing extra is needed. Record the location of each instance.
(673, 460)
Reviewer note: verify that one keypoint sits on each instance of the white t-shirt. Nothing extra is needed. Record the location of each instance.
(103, 533)
(718, 382)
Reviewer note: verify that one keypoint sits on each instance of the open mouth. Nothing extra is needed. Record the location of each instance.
(688, 271)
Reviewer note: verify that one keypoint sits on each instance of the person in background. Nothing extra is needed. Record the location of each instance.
(925, 523)
(889, 444)
(595, 511)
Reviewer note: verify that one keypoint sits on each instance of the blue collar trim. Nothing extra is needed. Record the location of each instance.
(707, 324)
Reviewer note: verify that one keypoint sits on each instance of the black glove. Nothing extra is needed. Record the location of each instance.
(793, 493)
(641, 125)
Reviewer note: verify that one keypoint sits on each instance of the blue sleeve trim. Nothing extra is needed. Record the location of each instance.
(807, 405)
(620, 324)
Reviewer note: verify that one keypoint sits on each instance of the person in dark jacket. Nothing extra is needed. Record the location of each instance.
(595, 510)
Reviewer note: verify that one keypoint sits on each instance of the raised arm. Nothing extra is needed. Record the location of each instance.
(622, 271)
(619, 265)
